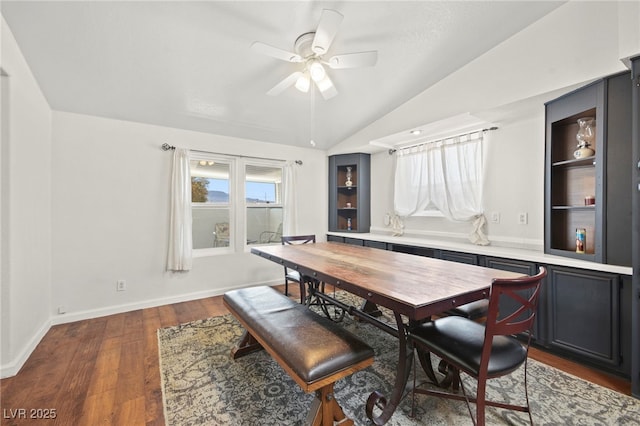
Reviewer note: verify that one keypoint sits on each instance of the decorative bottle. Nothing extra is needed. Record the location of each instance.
(348, 224)
(585, 136)
(348, 183)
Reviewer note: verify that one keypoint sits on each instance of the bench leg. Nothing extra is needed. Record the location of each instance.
(325, 410)
(246, 345)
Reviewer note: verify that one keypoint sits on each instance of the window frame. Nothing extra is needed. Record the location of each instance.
(237, 204)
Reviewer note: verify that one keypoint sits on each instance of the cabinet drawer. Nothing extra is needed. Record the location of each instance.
(354, 241)
(471, 259)
(418, 251)
(375, 244)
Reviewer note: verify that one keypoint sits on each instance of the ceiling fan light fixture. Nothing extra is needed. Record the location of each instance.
(317, 71)
(324, 84)
(303, 83)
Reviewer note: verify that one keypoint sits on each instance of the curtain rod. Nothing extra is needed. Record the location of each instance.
(166, 147)
(393, 150)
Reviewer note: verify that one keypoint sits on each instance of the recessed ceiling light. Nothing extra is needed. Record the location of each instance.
(416, 132)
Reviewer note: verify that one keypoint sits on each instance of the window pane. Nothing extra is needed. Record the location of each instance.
(210, 203)
(263, 189)
(260, 192)
(209, 182)
(210, 226)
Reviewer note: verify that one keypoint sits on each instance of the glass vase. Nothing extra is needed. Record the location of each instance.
(586, 136)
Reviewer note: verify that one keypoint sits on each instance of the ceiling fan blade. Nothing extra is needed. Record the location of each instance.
(326, 88)
(327, 29)
(289, 81)
(354, 60)
(275, 52)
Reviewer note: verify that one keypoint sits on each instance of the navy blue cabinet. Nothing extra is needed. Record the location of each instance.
(350, 193)
(583, 315)
(586, 315)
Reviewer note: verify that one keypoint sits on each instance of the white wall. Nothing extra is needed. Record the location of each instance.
(110, 215)
(26, 209)
(508, 86)
(514, 183)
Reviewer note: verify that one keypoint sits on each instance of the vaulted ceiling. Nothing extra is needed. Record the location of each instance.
(189, 65)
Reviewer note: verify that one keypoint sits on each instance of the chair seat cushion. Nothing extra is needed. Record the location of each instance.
(460, 340)
(473, 310)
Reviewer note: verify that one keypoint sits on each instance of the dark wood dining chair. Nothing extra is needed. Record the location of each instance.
(484, 351)
(293, 275)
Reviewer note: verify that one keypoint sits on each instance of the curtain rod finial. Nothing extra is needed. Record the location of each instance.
(166, 147)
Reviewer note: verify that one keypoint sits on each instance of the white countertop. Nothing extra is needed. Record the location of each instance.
(490, 250)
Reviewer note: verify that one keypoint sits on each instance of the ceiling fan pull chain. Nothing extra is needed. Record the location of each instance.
(312, 110)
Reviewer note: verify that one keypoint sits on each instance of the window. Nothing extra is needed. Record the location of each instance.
(444, 175)
(263, 196)
(235, 201)
(211, 202)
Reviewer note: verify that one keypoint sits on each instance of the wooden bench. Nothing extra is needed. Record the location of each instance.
(313, 350)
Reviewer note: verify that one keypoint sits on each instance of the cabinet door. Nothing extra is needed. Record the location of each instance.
(585, 314)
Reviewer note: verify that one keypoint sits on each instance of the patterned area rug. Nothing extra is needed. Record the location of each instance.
(201, 385)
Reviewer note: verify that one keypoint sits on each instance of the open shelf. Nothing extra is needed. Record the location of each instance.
(590, 192)
(349, 193)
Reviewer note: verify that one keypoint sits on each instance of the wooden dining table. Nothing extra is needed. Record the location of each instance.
(414, 288)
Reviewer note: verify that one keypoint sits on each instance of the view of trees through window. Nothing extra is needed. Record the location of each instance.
(207, 190)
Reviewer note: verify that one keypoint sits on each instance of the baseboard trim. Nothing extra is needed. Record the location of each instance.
(13, 367)
(118, 309)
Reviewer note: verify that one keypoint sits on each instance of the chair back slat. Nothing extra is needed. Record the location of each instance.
(524, 294)
(298, 239)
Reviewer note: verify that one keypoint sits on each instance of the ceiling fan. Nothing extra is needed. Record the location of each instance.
(309, 50)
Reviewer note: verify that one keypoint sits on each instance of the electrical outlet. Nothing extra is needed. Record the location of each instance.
(523, 218)
(62, 309)
(121, 285)
(495, 217)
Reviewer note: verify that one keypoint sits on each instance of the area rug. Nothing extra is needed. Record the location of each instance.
(202, 385)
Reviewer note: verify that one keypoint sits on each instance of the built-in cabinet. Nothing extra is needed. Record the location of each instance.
(583, 314)
(635, 190)
(588, 143)
(350, 193)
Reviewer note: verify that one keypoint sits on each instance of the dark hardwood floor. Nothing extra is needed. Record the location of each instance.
(104, 371)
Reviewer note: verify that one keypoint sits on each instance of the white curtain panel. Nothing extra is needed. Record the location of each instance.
(180, 234)
(290, 212)
(445, 175)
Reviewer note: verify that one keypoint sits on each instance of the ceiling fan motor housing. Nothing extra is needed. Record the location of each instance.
(302, 45)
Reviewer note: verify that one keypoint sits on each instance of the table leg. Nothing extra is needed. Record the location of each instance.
(405, 359)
